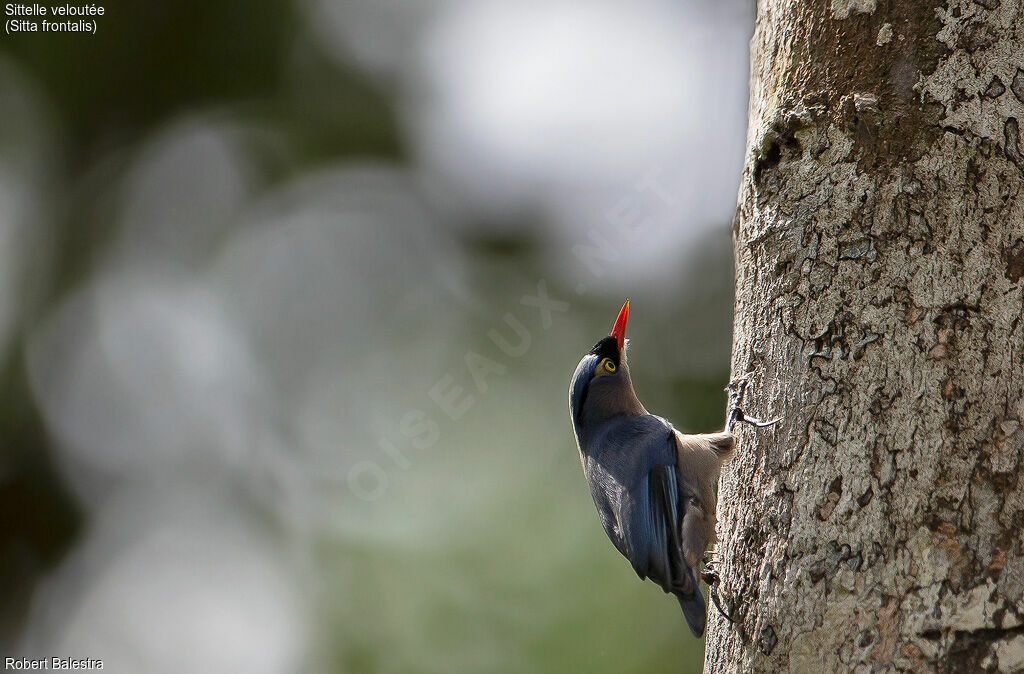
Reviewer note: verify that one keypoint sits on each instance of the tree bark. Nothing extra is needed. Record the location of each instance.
(879, 250)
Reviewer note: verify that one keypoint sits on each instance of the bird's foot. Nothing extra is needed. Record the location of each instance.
(737, 388)
(710, 576)
(714, 582)
(739, 415)
(730, 616)
(711, 558)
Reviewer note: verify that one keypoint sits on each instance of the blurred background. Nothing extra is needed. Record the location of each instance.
(290, 296)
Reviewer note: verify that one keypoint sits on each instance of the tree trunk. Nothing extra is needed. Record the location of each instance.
(879, 253)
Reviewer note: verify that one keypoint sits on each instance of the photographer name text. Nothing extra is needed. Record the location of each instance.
(52, 664)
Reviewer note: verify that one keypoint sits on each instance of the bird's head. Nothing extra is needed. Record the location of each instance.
(601, 387)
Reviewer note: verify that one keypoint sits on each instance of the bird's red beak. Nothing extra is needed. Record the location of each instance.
(619, 329)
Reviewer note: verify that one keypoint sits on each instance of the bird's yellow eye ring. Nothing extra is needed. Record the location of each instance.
(607, 365)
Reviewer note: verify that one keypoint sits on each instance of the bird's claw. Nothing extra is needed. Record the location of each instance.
(737, 388)
(739, 415)
(711, 577)
(729, 616)
(739, 381)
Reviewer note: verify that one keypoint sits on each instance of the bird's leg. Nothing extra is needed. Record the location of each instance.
(710, 577)
(737, 387)
(714, 581)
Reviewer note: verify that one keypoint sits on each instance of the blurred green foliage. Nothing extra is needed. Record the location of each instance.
(512, 576)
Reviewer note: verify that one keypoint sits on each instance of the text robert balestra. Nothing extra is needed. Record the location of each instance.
(52, 663)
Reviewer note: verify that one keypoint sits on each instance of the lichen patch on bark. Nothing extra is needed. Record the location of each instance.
(841, 9)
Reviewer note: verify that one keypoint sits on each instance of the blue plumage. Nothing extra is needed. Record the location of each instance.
(631, 463)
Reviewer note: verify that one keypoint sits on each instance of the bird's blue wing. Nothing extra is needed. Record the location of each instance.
(637, 461)
(632, 473)
(649, 517)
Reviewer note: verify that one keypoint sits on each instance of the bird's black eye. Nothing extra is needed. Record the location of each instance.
(606, 366)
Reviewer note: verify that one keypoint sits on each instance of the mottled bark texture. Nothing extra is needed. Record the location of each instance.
(880, 255)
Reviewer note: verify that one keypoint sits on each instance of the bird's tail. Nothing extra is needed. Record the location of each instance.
(694, 609)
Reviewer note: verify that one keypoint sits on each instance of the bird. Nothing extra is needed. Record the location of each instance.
(653, 486)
